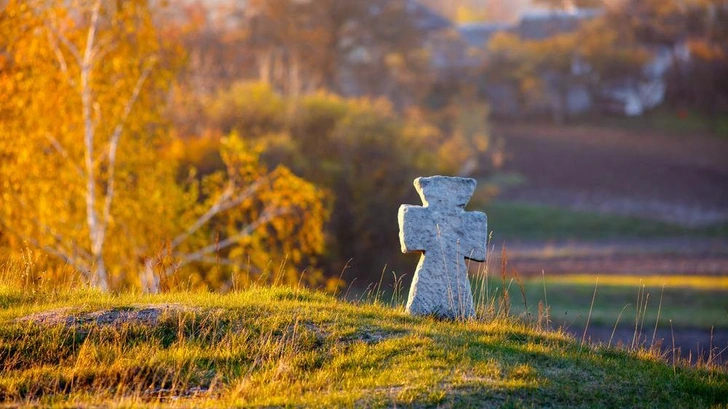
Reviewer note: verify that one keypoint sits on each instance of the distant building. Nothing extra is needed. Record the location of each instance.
(425, 18)
(479, 34)
(635, 96)
(539, 25)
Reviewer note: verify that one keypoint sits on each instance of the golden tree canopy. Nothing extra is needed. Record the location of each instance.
(83, 175)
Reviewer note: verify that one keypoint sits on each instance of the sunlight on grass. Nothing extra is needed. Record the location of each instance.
(685, 302)
(276, 346)
(677, 281)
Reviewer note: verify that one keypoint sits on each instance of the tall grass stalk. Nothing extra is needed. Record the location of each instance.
(611, 337)
(505, 304)
(644, 313)
(281, 272)
(523, 291)
(341, 276)
(491, 251)
(397, 299)
(657, 320)
(484, 304)
(545, 298)
(378, 294)
(588, 318)
(638, 309)
(674, 358)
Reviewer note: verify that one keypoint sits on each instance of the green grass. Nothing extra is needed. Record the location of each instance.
(664, 120)
(531, 222)
(688, 302)
(286, 347)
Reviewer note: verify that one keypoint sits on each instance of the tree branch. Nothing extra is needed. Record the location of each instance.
(60, 240)
(71, 47)
(59, 56)
(113, 146)
(60, 149)
(206, 217)
(246, 232)
(228, 262)
(56, 251)
(102, 48)
(57, 237)
(222, 204)
(89, 51)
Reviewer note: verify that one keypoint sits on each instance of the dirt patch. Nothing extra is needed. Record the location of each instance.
(681, 180)
(144, 314)
(172, 395)
(670, 256)
(370, 335)
(627, 265)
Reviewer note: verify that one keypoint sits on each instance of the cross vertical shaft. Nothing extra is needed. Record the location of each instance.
(445, 235)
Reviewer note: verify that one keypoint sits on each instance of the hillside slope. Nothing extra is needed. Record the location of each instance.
(287, 347)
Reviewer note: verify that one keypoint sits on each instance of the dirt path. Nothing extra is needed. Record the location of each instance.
(670, 256)
(682, 180)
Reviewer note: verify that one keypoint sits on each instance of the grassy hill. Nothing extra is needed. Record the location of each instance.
(287, 347)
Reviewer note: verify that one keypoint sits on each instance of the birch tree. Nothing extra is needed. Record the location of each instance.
(83, 174)
(76, 78)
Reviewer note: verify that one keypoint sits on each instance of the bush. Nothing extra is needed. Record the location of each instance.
(363, 152)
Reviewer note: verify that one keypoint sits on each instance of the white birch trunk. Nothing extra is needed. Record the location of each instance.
(99, 277)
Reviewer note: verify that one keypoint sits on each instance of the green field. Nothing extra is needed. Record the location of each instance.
(685, 301)
(531, 222)
(663, 120)
(288, 347)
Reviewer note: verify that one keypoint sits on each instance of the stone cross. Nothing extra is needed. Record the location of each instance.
(446, 235)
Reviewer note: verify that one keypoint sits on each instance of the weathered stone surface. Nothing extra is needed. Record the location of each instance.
(446, 235)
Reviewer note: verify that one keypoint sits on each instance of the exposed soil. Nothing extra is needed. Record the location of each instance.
(682, 180)
(672, 256)
(143, 314)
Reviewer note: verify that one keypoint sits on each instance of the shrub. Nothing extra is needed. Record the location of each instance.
(362, 151)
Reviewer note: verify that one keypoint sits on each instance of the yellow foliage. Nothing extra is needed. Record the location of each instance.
(250, 108)
(361, 150)
(706, 51)
(88, 172)
(465, 14)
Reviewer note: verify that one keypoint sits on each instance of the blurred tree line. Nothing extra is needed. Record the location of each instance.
(336, 90)
(617, 46)
(697, 31)
(163, 147)
(364, 48)
(149, 146)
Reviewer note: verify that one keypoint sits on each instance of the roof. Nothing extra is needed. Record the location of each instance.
(543, 24)
(425, 18)
(478, 34)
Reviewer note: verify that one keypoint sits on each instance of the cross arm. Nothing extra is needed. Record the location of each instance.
(415, 227)
(474, 246)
